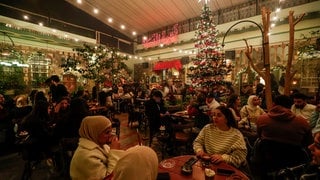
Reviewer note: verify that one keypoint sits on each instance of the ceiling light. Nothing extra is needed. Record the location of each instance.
(76, 39)
(95, 10)
(110, 20)
(144, 37)
(134, 33)
(25, 17)
(122, 27)
(79, 1)
(275, 18)
(40, 24)
(278, 10)
(273, 25)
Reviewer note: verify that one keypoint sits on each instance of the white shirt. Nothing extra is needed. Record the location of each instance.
(305, 112)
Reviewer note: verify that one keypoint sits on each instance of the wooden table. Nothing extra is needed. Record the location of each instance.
(183, 115)
(173, 167)
(95, 110)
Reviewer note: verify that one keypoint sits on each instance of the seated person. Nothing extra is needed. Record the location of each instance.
(301, 107)
(314, 120)
(211, 103)
(309, 170)
(233, 104)
(250, 112)
(98, 150)
(315, 153)
(21, 110)
(283, 138)
(200, 120)
(221, 140)
(137, 163)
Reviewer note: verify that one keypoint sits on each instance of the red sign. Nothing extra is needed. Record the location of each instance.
(162, 38)
(168, 64)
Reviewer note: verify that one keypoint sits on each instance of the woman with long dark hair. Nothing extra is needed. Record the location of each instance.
(221, 140)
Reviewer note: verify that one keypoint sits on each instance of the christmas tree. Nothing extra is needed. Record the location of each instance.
(209, 69)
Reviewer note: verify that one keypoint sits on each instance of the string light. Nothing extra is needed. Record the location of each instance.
(205, 1)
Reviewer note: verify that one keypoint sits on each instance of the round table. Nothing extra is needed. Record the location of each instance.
(173, 167)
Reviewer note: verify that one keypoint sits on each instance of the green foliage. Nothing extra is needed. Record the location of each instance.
(97, 62)
(12, 80)
(308, 45)
(39, 81)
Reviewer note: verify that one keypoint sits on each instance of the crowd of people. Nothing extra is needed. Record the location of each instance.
(221, 128)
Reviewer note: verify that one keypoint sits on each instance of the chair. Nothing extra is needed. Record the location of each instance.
(300, 172)
(109, 113)
(139, 138)
(309, 176)
(32, 153)
(183, 136)
(293, 173)
(134, 114)
(163, 140)
(116, 124)
(67, 147)
(270, 156)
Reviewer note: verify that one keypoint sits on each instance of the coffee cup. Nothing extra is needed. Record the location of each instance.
(205, 160)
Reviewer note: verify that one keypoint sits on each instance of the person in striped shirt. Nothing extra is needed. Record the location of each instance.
(221, 140)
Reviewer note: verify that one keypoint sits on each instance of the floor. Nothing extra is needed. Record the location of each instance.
(12, 165)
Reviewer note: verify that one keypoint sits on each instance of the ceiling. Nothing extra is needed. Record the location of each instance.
(144, 16)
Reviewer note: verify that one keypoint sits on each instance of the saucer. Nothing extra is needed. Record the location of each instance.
(168, 163)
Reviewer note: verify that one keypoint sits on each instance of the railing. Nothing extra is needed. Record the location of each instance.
(234, 13)
(309, 82)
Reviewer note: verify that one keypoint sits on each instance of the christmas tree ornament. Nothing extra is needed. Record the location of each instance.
(209, 66)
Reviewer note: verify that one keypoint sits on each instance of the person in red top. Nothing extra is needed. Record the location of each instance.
(282, 125)
(283, 139)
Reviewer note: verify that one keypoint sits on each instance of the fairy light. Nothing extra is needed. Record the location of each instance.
(205, 1)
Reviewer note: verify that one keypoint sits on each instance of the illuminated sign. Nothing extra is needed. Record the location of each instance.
(162, 38)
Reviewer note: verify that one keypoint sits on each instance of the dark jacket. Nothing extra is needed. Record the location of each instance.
(153, 110)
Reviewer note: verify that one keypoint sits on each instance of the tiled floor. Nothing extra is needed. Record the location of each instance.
(12, 165)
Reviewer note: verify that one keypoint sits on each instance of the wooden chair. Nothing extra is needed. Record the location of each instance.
(116, 124)
(183, 136)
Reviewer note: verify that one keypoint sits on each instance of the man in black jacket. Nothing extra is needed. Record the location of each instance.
(57, 89)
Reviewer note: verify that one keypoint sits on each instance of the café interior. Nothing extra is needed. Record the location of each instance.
(203, 58)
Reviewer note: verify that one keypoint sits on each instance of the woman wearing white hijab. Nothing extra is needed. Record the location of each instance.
(94, 158)
(138, 163)
(250, 112)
